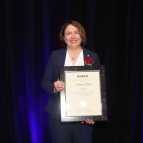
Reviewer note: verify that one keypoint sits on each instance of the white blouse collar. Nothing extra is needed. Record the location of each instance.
(79, 62)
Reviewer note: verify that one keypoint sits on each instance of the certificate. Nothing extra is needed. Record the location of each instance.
(82, 98)
(84, 95)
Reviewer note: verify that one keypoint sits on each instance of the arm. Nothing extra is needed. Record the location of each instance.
(50, 82)
(48, 78)
(96, 59)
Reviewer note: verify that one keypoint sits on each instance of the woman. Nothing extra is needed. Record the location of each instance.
(73, 38)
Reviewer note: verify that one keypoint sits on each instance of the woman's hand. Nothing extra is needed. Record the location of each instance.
(58, 85)
(88, 121)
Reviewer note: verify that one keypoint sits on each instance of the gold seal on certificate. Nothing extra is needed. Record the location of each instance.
(82, 96)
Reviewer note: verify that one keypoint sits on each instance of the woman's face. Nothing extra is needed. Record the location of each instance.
(72, 37)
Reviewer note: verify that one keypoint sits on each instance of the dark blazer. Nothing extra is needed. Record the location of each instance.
(51, 75)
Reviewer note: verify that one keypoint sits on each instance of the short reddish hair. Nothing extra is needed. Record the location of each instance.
(80, 29)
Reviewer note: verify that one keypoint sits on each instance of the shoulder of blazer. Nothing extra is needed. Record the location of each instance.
(59, 51)
(88, 53)
(91, 54)
(59, 56)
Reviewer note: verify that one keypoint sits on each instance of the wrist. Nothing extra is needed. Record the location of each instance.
(55, 90)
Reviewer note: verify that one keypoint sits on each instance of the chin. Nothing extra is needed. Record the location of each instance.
(75, 46)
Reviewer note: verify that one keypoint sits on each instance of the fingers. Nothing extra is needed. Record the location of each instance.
(89, 121)
(59, 85)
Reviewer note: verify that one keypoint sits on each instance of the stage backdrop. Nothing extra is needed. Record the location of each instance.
(29, 33)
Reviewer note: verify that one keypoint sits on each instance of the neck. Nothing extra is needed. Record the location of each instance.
(74, 53)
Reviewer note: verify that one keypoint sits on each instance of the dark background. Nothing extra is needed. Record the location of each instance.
(29, 33)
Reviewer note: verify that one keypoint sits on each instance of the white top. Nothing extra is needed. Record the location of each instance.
(79, 62)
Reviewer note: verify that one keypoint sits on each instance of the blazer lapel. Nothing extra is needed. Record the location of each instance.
(85, 53)
(61, 57)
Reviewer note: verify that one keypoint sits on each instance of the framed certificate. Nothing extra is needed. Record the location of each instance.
(84, 95)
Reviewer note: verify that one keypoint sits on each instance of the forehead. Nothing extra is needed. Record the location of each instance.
(71, 28)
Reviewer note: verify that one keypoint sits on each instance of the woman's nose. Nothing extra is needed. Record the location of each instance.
(73, 35)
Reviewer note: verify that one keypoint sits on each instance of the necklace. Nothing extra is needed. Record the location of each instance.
(74, 54)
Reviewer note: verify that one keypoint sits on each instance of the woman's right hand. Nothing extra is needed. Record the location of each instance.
(58, 85)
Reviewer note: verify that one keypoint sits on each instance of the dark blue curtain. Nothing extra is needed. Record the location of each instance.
(29, 33)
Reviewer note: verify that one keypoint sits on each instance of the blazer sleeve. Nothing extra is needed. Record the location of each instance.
(96, 59)
(48, 80)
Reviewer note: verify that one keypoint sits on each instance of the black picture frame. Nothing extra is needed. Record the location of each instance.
(102, 117)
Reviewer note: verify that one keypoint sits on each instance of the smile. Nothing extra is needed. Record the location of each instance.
(73, 41)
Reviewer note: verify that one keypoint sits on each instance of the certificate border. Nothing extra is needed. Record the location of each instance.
(102, 117)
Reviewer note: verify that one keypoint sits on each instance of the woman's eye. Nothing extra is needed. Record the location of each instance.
(71, 33)
(76, 32)
(67, 33)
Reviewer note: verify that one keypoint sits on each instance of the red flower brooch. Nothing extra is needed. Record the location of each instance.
(89, 61)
